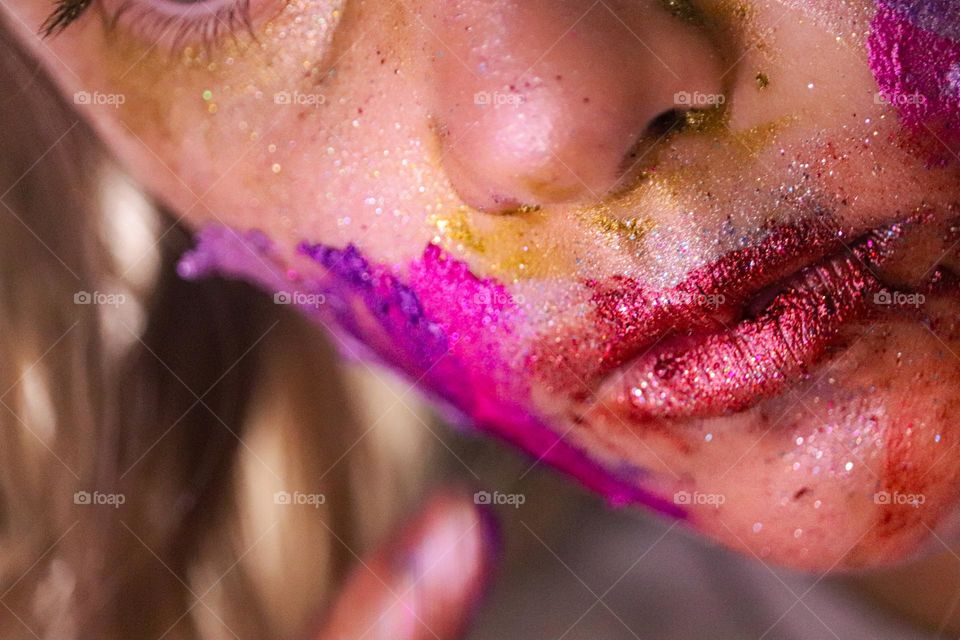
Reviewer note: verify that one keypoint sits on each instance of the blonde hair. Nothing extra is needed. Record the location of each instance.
(193, 401)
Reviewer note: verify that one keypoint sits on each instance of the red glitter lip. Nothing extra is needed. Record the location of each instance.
(731, 333)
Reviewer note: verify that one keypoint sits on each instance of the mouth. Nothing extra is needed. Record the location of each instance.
(742, 329)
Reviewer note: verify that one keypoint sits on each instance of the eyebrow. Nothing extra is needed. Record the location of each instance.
(65, 12)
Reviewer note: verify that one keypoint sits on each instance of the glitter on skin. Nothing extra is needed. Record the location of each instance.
(433, 320)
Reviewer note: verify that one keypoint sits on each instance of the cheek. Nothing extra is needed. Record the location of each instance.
(454, 334)
(228, 131)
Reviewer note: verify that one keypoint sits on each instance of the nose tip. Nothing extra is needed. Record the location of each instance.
(540, 103)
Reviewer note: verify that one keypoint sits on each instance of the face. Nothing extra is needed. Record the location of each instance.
(698, 254)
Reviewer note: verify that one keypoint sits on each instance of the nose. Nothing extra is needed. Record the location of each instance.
(541, 102)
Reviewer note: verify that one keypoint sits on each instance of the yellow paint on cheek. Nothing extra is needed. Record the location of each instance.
(519, 245)
(454, 228)
(756, 139)
(628, 230)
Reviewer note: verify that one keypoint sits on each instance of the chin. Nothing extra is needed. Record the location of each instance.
(853, 466)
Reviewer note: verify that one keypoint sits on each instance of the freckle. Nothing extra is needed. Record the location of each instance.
(276, 168)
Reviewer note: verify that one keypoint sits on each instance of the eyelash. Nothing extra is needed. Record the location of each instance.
(193, 24)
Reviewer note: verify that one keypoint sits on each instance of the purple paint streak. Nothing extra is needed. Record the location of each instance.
(914, 53)
(434, 321)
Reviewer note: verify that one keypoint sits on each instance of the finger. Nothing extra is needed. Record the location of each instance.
(425, 582)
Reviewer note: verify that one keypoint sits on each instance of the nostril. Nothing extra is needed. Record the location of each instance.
(663, 126)
(670, 121)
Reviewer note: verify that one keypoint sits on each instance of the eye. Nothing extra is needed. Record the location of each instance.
(169, 23)
(173, 23)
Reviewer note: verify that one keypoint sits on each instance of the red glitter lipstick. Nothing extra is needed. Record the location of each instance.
(731, 333)
(731, 368)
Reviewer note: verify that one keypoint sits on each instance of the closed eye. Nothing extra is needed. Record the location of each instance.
(169, 22)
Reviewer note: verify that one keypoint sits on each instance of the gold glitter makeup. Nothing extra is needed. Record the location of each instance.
(455, 228)
(706, 121)
(516, 247)
(630, 230)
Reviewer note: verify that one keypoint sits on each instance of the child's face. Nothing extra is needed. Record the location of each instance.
(696, 252)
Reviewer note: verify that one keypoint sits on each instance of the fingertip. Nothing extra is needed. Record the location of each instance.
(453, 562)
(427, 581)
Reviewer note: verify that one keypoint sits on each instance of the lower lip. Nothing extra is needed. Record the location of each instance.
(729, 370)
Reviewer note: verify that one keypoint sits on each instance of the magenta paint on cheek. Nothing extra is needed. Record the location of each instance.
(914, 53)
(433, 320)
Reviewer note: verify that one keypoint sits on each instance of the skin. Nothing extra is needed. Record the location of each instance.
(566, 176)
